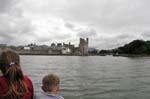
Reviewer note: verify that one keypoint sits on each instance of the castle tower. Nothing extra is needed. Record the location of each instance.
(83, 46)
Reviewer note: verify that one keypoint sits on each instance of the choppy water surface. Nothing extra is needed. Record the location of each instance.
(93, 77)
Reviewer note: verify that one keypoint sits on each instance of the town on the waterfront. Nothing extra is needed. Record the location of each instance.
(134, 48)
(53, 49)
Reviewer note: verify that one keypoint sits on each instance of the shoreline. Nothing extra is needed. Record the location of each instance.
(119, 55)
(132, 55)
(62, 54)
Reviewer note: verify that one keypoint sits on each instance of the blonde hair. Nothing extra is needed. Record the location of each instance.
(49, 81)
(10, 67)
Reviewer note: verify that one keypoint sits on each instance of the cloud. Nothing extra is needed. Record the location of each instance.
(122, 36)
(107, 23)
(107, 16)
(146, 34)
(86, 33)
(69, 25)
(14, 28)
(6, 5)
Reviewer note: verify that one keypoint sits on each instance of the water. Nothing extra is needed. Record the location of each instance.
(93, 77)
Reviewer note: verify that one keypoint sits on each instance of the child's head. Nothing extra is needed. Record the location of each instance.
(51, 83)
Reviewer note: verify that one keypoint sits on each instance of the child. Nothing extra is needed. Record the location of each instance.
(50, 87)
(13, 83)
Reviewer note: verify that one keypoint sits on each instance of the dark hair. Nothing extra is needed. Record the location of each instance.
(49, 81)
(10, 67)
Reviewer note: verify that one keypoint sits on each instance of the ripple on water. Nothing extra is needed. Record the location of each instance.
(93, 77)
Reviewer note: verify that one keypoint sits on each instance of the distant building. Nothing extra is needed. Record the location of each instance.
(40, 47)
(54, 49)
(26, 48)
(77, 51)
(59, 46)
(69, 47)
(66, 51)
(53, 46)
(83, 46)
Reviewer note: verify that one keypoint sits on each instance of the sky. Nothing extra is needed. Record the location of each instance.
(107, 23)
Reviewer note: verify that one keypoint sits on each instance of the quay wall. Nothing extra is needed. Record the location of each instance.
(32, 52)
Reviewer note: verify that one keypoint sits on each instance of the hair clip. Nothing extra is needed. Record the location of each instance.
(12, 63)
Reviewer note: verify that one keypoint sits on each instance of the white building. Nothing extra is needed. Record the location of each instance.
(66, 51)
(26, 48)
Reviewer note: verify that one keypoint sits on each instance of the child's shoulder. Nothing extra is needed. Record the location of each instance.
(39, 95)
(43, 95)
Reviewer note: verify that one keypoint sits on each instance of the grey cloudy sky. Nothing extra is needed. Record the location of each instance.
(107, 23)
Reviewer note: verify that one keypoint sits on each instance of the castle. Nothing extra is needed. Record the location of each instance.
(54, 49)
(83, 45)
